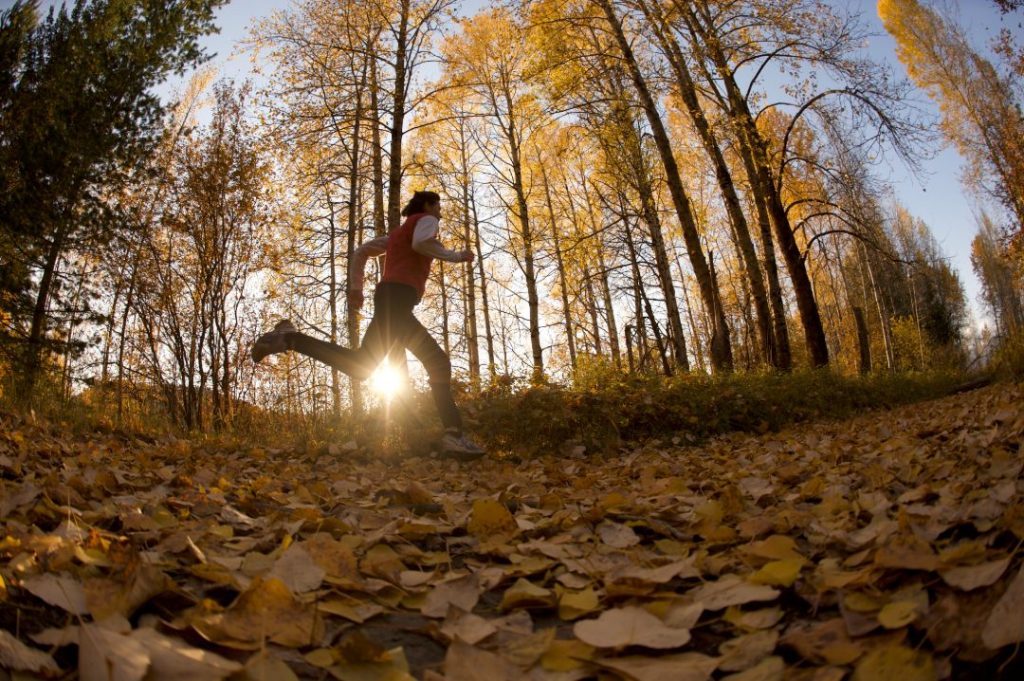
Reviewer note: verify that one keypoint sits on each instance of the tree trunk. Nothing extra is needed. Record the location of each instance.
(741, 231)
(560, 263)
(721, 358)
(37, 331)
(765, 187)
(492, 367)
(398, 120)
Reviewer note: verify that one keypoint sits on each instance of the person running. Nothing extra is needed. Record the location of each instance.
(408, 253)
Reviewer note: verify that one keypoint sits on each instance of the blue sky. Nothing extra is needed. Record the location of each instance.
(937, 196)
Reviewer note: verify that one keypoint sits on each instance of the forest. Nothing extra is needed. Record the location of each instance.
(742, 417)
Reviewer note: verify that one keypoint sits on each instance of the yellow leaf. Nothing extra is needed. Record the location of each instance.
(575, 604)
(525, 594)
(490, 518)
(898, 614)
(861, 602)
(775, 547)
(779, 572)
(566, 655)
(321, 658)
(895, 663)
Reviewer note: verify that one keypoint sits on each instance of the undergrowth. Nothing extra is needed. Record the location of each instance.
(602, 412)
(686, 408)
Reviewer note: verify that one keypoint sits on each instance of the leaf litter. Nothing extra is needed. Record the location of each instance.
(884, 547)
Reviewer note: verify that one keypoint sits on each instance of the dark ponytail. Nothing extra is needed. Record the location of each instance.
(419, 201)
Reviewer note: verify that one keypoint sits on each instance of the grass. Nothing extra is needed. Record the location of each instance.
(686, 408)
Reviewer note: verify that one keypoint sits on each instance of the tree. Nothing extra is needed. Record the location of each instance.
(979, 112)
(79, 120)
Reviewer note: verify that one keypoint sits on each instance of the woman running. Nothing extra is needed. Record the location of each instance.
(408, 252)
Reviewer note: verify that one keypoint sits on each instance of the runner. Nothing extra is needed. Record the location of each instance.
(409, 251)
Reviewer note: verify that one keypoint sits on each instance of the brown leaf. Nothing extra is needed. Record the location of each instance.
(1006, 623)
(974, 577)
(680, 667)
(745, 651)
(297, 570)
(59, 590)
(730, 590)
(462, 592)
(628, 626)
(463, 662)
(266, 610)
(16, 656)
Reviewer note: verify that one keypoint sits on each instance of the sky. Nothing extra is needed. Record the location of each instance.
(936, 195)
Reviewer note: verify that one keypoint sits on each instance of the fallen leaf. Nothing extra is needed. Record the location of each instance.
(895, 663)
(59, 590)
(466, 627)
(566, 655)
(463, 662)
(617, 535)
(526, 594)
(18, 657)
(297, 570)
(898, 614)
(575, 604)
(730, 590)
(746, 651)
(778, 572)
(263, 667)
(628, 626)
(462, 592)
(107, 655)
(490, 518)
(973, 577)
(768, 669)
(1006, 623)
(680, 667)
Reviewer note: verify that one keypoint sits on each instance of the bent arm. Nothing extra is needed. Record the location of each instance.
(425, 242)
(371, 249)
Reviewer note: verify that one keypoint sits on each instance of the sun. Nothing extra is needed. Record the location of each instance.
(386, 381)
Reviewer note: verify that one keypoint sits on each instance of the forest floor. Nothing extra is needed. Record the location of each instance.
(882, 547)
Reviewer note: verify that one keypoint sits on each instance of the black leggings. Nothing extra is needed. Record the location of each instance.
(392, 330)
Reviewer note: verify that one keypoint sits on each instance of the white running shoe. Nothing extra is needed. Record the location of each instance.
(273, 342)
(456, 445)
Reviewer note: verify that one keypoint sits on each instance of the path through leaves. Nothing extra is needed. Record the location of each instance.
(886, 547)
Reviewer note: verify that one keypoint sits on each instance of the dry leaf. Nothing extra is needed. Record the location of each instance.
(730, 590)
(18, 657)
(575, 604)
(768, 669)
(617, 535)
(463, 593)
(463, 662)
(59, 590)
(974, 577)
(263, 667)
(746, 651)
(681, 667)
(525, 594)
(297, 570)
(466, 627)
(1006, 623)
(895, 663)
(490, 518)
(628, 626)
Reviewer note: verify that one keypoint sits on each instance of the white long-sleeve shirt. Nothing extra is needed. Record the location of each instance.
(424, 242)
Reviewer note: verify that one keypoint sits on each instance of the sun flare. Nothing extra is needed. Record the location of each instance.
(386, 381)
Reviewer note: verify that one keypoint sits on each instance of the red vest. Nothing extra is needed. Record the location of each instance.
(402, 265)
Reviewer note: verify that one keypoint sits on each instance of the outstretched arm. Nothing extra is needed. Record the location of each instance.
(425, 242)
(371, 249)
